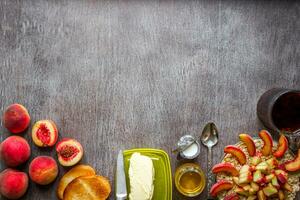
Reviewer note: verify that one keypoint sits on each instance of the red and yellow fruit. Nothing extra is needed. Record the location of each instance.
(225, 167)
(293, 165)
(282, 147)
(220, 186)
(44, 133)
(43, 170)
(232, 196)
(13, 183)
(248, 141)
(16, 118)
(268, 142)
(14, 151)
(69, 152)
(237, 152)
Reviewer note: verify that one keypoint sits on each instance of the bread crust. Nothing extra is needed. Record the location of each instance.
(88, 188)
(75, 172)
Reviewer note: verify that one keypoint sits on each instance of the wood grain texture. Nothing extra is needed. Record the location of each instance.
(125, 74)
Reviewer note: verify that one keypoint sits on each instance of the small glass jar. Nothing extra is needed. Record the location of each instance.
(190, 179)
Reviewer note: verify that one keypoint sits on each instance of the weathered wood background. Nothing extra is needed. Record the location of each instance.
(125, 74)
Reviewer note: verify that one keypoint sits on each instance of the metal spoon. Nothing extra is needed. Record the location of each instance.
(209, 138)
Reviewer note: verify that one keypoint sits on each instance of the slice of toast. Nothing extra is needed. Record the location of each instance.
(75, 172)
(88, 188)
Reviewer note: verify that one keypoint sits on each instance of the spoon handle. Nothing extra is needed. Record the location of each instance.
(210, 176)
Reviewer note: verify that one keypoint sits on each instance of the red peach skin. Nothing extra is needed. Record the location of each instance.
(268, 142)
(282, 147)
(13, 183)
(225, 167)
(219, 187)
(237, 152)
(14, 151)
(248, 141)
(16, 118)
(43, 170)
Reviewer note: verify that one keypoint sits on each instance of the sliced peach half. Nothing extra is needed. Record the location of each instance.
(282, 147)
(220, 186)
(237, 152)
(248, 141)
(225, 167)
(293, 165)
(44, 133)
(69, 152)
(268, 142)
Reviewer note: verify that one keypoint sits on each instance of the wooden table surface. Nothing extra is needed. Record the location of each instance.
(127, 74)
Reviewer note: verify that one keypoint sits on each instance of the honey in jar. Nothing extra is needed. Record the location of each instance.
(190, 179)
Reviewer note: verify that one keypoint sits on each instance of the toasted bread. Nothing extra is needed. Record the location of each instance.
(75, 172)
(88, 188)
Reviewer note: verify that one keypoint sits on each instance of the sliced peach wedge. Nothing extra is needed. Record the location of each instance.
(268, 142)
(225, 167)
(293, 165)
(220, 186)
(248, 141)
(282, 147)
(237, 152)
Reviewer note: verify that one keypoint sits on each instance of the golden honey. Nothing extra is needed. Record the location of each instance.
(190, 179)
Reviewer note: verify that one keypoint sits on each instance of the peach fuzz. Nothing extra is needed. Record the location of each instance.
(13, 183)
(16, 118)
(14, 151)
(44, 133)
(43, 170)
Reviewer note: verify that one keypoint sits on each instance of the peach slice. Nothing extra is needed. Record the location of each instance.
(281, 195)
(44, 133)
(225, 167)
(248, 141)
(237, 152)
(14, 151)
(282, 147)
(268, 142)
(281, 175)
(270, 190)
(293, 165)
(69, 152)
(220, 186)
(16, 118)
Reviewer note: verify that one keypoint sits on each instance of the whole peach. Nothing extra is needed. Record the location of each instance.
(13, 183)
(16, 118)
(43, 170)
(14, 150)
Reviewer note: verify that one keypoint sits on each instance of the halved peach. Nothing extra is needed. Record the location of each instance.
(44, 133)
(225, 167)
(220, 186)
(248, 141)
(69, 152)
(268, 142)
(293, 165)
(16, 118)
(237, 152)
(282, 147)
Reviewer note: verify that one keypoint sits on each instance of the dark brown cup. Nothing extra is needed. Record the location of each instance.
(279, 111)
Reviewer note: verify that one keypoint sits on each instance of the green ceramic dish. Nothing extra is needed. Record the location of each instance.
(163, 176)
